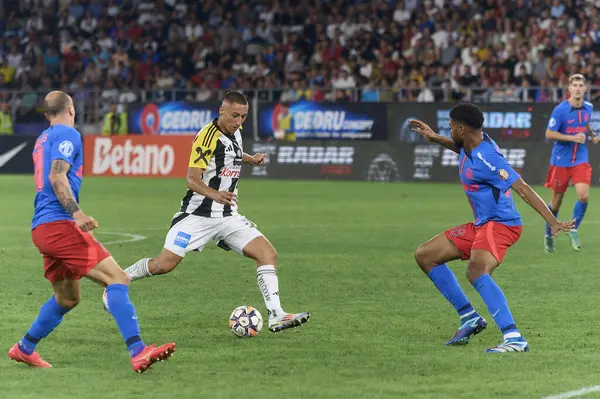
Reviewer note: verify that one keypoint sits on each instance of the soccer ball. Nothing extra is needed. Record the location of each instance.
(245, 321)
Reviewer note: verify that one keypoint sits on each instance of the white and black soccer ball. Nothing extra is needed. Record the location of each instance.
(245, 321)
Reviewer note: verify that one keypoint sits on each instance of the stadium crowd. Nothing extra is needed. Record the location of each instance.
(110, 51)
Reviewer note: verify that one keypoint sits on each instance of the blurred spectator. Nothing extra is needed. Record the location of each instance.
(6, 125)
(115, 121)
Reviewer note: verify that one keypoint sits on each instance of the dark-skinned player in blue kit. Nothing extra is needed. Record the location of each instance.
(62, 233)
(487, 180)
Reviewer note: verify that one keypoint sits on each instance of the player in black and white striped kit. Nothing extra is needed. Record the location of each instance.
(209, 210)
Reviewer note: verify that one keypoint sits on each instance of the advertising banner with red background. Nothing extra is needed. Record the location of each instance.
(140, 156)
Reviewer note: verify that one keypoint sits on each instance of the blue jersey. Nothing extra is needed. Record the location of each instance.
(570, 121)
(486, 178)
(56, 142)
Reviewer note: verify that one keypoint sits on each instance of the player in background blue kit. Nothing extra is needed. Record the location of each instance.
(62, 234)
(487, 180)
(568, 125)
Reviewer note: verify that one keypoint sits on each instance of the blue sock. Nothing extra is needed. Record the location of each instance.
(445, 281)
(579, 212)
(496, 303)
(124, 314)
(548, 231)
(50, 316)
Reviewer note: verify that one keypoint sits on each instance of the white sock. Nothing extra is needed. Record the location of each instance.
(268, 284)
(512, 335)
(139, 270)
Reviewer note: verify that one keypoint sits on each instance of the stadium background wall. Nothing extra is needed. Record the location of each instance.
(384, 148)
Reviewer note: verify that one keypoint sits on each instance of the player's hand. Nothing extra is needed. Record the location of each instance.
(84, 222)
(258, 159)
(580, 138)
(595, 139)
(422, 128)
(562, 226)
(225, 197)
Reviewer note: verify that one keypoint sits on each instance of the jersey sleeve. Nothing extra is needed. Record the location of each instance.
(556, 120)
(496, 171)
(66, 145)
(203, 147)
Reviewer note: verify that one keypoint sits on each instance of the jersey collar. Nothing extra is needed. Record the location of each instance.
(219, 129)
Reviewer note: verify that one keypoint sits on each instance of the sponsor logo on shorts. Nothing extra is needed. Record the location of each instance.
(182, 239)
(457, 233)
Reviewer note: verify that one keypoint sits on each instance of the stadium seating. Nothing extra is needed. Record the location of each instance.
(121, 51)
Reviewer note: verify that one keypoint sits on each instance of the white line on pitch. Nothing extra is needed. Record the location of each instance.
(574, 394)
(129, 238)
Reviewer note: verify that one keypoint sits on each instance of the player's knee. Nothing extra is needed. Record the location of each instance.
(67, 302)
(267, 256)
(472, 274)
(121, 277)
(583, 198)
(476, 270)
(422, 256)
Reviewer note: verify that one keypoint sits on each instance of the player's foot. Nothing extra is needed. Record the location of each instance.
(549, 244)
(467, 330)
(151, 355)
(510, 345)
(574, 237)
(287, 320)
(33, 360)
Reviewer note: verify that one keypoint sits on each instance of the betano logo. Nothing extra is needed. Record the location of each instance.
(130, 159)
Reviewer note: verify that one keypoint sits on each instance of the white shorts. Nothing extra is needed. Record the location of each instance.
(192, 233)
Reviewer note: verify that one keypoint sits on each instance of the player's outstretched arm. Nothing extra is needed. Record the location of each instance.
(424, 130)
(194, 182)
(64, 194)
(537, 203)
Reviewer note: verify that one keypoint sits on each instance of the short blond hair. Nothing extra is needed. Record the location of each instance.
(577, 77)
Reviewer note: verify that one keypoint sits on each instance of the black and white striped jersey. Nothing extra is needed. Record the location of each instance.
(220, 155)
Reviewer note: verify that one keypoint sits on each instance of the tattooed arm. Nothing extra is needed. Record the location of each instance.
(61, 186)
(64, 194)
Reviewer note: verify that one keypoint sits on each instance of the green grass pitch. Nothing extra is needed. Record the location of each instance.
(346, 249)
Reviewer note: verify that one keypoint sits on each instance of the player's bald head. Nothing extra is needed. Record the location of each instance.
(56, 102)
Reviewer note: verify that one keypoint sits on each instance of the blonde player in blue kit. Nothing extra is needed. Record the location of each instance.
(568, 126)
